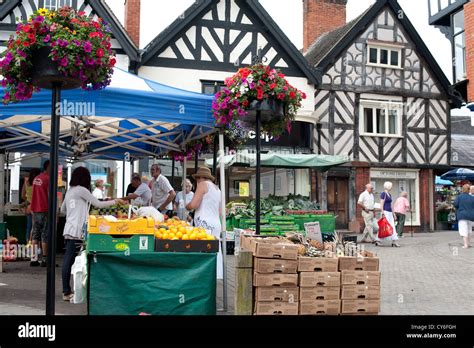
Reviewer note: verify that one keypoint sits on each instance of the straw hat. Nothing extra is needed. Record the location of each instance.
(203, 172)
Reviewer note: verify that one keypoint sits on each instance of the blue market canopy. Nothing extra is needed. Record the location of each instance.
(439, 181)
(132, 115)
(459, 174)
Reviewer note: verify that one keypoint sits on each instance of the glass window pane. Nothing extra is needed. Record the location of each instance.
(208, 90)
(392, 122)
(368, 120)
(380, 121)
(394, 58)
(373, 55)
(458, 22)
(383, 56)
(460, 56)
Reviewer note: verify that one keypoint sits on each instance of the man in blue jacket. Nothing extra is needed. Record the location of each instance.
(464, 204)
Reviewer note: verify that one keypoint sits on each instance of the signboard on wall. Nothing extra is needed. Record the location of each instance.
(300, 136)
(244, 189)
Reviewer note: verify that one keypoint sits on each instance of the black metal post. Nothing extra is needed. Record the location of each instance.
(214, 162)
(172, 171)
(52, 208)
(7, 177)
(257, 178)
(319, 126)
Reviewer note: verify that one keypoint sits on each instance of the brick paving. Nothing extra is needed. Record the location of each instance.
(429, 275)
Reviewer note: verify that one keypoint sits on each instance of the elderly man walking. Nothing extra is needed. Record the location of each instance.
(366, 202)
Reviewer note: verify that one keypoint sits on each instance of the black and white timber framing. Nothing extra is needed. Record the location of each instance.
(419, 86)
(13, 10)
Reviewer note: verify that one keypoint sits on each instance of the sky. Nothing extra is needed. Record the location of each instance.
(157, 15)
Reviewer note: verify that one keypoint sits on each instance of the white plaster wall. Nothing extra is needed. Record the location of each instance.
(190, 80)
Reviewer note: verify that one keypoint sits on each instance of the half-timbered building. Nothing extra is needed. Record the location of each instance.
(384, 102)
(14, 11)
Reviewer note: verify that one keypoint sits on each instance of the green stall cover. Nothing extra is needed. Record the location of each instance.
(155, 283)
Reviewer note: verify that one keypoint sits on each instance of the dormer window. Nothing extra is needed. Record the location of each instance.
(384, 55)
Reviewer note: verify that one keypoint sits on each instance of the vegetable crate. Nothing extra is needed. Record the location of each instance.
(111, 243)
(247, 223)
(99, 224)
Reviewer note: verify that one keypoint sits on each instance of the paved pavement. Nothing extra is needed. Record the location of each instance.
(429, 275)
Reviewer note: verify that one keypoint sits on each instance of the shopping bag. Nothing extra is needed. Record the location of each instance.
(385, 229)
(79, 278)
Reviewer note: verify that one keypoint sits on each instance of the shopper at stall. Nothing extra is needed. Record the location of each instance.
(39, 208)
(26, 195)
(130, 188)
(142, 194)
(162, 191)
(366, 202)
(206, 202)
(400, 208)
(179, 205)
(464, 204)
(386, 206)
(76, 206)
(99, 191)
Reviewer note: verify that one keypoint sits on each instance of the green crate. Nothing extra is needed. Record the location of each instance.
(286, 218)
(247, 223)
(114, 243)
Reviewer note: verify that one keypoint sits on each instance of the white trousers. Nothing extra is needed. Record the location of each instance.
(391, 221)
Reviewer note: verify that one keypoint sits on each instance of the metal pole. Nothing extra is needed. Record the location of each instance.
(196, 161)
(223, 217)
(257, 179)
(172, 170)
(411, 209)
(123, 178)
(2, 185)
(52, 208)
(183, 193)
(214, 162)
(7, 173)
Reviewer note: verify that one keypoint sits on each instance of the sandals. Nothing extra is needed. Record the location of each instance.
(396, 245)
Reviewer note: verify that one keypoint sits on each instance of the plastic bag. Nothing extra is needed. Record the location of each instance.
(385, 229)
(79, 278)
(149, 212)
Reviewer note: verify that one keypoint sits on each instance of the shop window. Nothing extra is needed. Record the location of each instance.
(386, 57)
(211, 87)
(380, 118)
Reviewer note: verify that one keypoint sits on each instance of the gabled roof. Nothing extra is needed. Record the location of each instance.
(200, 7)
(341, 38)
(103, 11)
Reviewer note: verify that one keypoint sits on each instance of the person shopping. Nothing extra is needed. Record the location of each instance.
(180, 196)
(206, 202)
(27, 194)
(464, 204)
(401, 207)
(76, 206)
(386, 206)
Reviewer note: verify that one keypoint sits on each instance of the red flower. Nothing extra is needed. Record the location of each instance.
(112, 62)
(95, 34)
(96, 25)
(99, 52)
(26, 28)
(281, 96)
(245, 103)
(292, 95)
(259, 94)
(281, 75)
(273, 85)
(31, 36)
(81, 13)
(26, 43)
(244, 72)
(303, 95)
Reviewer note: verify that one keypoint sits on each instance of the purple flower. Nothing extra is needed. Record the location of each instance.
(251, 85)
(226, 91)
(20, 53)
(235, 103)
(87, 47)
(223, 105)
(47, 38)
(4, 83)
(39, 19)
(90, 61)
(62, 43)
(19, 95)
(64, 61)
(76, 42)
(21, 87)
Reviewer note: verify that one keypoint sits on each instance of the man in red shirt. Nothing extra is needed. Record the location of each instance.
(39, 208)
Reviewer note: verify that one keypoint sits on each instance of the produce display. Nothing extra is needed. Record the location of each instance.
(176, 229)
(120, 211)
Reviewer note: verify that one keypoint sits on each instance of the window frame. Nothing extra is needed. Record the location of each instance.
(382, 105)
(210, 83)
(389, 49)
(454, 35)
(56, 2)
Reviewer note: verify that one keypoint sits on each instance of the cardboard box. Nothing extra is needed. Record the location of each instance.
(365, 262)
(315, 279)
(331, 307)
(360, 292)
(109, 243)
(276, 308)
(317, 264)
(320, 293)
(245, 241)
(287, 280)
(290, 294)
(100, 225)
(272, 249)
(360, 306)
(360, 278)
(275, 266)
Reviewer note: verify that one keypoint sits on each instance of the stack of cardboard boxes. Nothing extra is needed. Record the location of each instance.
(320, 286)
(360, 279)
(275, 277)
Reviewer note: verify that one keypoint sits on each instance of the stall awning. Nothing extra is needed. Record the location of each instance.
(439, 181)
(274, 160)
(459, 174)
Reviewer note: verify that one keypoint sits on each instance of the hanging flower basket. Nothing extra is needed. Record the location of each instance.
(258, 88)
(62, 46)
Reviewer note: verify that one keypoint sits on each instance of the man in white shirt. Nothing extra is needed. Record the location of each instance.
(163, 193)
(142, 194)
(99, 191)
(366, 202)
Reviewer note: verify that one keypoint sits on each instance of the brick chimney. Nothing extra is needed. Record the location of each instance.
(132, 20)
(469, 29)
(321, 16)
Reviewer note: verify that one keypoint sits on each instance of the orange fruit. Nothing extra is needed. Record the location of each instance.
(185, 237)
(193, 236)
(165, 235)
(179, 234)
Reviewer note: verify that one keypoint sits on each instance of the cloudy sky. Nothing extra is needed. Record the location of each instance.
(156, 16)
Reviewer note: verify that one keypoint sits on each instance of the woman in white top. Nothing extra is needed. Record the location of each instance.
(206, 202)
(76, 206)
(189, 194)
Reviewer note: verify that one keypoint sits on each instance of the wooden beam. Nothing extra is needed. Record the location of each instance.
(243, 287)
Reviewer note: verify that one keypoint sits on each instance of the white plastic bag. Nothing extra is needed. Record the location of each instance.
(79, 278)
(149, 212)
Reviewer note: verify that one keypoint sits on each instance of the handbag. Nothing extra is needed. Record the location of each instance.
(385, 229)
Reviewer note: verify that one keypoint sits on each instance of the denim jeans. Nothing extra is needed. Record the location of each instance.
(72, 247)
(29, 226)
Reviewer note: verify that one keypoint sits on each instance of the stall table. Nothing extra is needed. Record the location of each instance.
(157, 283)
